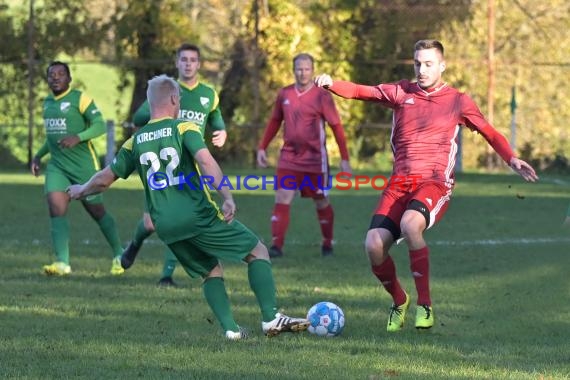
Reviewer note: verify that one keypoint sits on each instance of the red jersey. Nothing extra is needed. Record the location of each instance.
(304, 139)
(425, 126)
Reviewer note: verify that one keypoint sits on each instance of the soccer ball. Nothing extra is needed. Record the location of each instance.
(326, 318)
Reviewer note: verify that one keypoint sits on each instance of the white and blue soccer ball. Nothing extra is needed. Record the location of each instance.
(326, 318)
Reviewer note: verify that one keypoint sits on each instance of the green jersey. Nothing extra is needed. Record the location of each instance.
(163, 152)
(198, 104)
(71, 113)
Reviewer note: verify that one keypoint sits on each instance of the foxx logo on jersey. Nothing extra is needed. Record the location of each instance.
(55, 125)
(193, 116)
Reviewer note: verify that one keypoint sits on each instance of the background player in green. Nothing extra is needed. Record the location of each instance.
(199, 103)
(71, 119)
(184, 215)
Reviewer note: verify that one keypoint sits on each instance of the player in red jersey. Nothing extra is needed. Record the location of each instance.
(427, 117)
(303, 163)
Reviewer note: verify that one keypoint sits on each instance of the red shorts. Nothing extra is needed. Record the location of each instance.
(396, 199)
(310, 185)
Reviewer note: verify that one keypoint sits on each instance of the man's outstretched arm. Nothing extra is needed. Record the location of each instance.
(99, 183)
(347, 89)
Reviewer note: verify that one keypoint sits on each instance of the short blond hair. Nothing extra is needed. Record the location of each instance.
(160, 88)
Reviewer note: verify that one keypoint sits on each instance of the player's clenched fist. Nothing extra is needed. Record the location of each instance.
(74, 191)
(323, 80)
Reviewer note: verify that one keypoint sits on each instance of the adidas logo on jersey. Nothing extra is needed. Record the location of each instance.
(409, 101)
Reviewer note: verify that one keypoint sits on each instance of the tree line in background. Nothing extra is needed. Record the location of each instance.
(248, 45)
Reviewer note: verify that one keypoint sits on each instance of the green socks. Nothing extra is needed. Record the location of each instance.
(217, 297)
(261, 282)
(109, 229)
(169, 264)
(141, 233)
(60, 238)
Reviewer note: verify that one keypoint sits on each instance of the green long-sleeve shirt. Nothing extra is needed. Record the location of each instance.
(71, 113)
(198, 104)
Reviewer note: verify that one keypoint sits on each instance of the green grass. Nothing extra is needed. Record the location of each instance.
(501, 302)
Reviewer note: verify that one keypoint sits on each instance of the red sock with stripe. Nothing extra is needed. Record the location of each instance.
(419, 265)
(326, 221)
(279, 224)
(386, 274)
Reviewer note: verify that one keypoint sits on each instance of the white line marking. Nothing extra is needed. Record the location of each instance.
(482, 242)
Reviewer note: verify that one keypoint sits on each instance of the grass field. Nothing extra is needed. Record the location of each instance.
(499, 286)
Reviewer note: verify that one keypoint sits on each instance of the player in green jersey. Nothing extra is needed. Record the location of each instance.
(199, 103)
(183, 213)
(71, 120)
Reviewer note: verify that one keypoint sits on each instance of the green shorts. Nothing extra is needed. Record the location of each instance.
(221, 241)
(58, 180)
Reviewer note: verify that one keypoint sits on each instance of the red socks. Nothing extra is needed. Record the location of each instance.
(279, 224)
(419, 265)
(326, 221)
(386, 274)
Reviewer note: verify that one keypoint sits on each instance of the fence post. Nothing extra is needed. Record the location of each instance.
(110, 142)
(513, 120)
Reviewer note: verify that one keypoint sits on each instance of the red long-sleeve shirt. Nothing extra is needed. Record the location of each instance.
(303, 115)
(426, 125)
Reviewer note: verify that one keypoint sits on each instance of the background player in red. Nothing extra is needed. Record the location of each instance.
(427, 117)
(303, 108)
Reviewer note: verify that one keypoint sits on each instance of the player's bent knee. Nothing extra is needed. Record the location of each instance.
(412, 233)
(412, 227)
(217, 271)
(259, 252)
(58, 202)
(373, 244)
(148, 225)
(284, 196)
